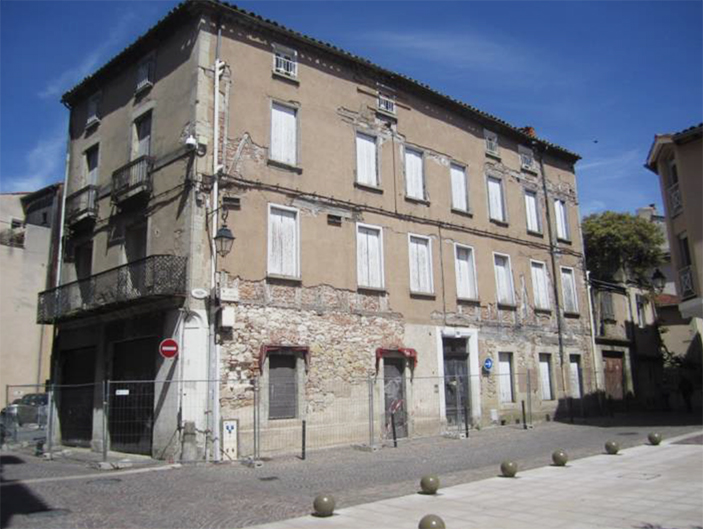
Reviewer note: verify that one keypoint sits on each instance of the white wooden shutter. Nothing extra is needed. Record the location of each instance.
(465, 273)
(414, 179)
(366, 160)
(503, 280)
(562, 221)
(283, 242)
(369, 257)
(284, 133)
(505, 372)
(460, 195)
(531, 209)
(568, 285)
(575, 370)
(545, 376)
(495, 200)
(540, 285)
(91, 157)
(420, 265)
(144, 136)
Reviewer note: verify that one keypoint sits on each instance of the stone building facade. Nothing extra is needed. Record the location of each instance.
(388, 239)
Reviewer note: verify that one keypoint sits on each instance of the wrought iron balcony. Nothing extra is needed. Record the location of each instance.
(675, 202)
(82, 205)
(132, 179)
(156, 276)
(686, 282)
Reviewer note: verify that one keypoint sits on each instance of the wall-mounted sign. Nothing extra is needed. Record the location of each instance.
(488, 364)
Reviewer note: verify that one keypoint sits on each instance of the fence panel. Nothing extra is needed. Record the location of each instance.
(25, 417)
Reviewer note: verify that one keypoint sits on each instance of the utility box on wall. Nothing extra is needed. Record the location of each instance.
(230, 438)
(227, 318)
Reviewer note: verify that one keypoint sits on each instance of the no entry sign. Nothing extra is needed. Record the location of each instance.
(169, 348)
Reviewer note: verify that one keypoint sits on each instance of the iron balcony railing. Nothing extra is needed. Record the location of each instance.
(132, 179)
(675, 202)
(686, 282)
(83, 204)
(152, 277)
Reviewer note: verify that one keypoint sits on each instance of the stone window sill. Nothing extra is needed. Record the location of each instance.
(420, 201)
(423, 295)
(368, 187)
(463, 212)
(275, 278)
(285, 166)
(283, 77)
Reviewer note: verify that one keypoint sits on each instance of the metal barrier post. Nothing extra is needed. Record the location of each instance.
(303, 445)
(455, 383)
(524, 419)
(106, 393)
(466, 420)
(395, 438)
(371, 414)
(529, 398)
(256, 419)
(50, 425)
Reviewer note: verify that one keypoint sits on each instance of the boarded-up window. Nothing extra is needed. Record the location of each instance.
(420, 265)
(545, 376)
(568, 286)
(465, 272)
(284, 134)
(504, 280)
(532, 210)
(540, 284)
(91, 165)
(495, 199)
(369, 256)
(460, 192)
(366, 168)
(283, 387)
(283, 249)
(414, 175)
(576, 377)
(562, 219)
(505, 373)
(607, 311)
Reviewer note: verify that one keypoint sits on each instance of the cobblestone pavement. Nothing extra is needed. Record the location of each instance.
(62, 494)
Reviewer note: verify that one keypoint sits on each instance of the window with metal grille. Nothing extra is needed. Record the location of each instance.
(527, 158)
(145, 75)
(492, 146)
(386, 103)
(285, 61)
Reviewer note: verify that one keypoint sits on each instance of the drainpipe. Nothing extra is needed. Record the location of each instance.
(596, 372)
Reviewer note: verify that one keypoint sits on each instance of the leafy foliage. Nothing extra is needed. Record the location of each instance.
(621, 241)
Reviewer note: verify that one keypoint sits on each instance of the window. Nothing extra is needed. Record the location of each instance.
(93, 117)
(283, 242)
(285, 61)
(145, 75)
(91, 165)
(142, 145)
(491, 142)
(386, 103)
(534, 220)
(420, 250)
(607, 311)
(16, 224)
(684, 250)
(527, 158)
(504, 279)
(283, 386)
(562, 219)
(135, 242)
(369, 256)
(576, 376)
(545, 376)
(568, 286)
(460, 191)
(540, 285)
(505, 373)
(496, 203)
(673, 172)
(465, 272)
(366, 160)
(414, 174)
(641, 303)
(284, 134)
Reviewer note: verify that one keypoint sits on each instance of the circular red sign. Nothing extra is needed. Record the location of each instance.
(169, 348)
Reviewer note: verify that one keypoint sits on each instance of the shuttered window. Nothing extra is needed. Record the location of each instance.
(568, 286)
(491, 142)
(545, 376)
(366, 160)
(460, 192)
(283, 242)
(534, 223)
(91, 161)
(607, 311)
(369, 256)
(283, 387)
(143, 133)
(420, 250)
(465, 272)
(414, 175)
(505, 372)
(540, 285)
(562, 219)
(284, 134)
(495, 199)
(504, 280)
(575, 378)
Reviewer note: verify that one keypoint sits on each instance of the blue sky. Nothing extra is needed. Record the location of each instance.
(599, 78)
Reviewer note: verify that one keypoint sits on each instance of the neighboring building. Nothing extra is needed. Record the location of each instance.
(28, 244)
(678, 160)
(382, 230)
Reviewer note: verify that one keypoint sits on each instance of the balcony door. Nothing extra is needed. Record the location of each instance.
(135, 251)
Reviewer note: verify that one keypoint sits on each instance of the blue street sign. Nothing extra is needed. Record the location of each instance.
(488, 364)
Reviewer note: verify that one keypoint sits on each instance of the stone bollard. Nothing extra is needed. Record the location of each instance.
(654, 438)
(324, 505)
(612, 447)
(429, 484)
(560, 458)
(508, 468)
(431, 521)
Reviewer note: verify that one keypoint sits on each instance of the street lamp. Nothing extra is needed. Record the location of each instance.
(658, 280)
(224, 240)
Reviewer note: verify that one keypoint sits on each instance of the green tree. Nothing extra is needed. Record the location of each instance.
(621, 241)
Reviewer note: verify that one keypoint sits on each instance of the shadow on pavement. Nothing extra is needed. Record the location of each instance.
(16, 498)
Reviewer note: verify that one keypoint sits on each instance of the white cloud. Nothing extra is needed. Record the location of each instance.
(44, 163)
(626, 164)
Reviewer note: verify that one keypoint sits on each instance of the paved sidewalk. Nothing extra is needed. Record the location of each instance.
(648, 487)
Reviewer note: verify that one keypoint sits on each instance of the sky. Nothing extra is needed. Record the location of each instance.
(600, 78)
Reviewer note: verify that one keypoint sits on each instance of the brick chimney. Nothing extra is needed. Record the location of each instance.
(530, 131)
